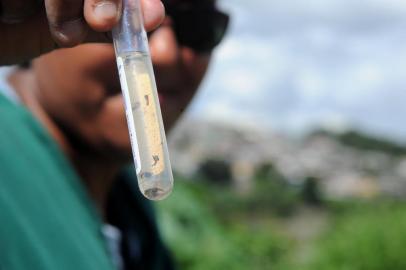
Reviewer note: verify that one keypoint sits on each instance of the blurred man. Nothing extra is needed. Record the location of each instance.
(67, 200)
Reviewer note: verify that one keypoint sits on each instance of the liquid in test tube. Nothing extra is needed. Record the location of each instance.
(144, 118)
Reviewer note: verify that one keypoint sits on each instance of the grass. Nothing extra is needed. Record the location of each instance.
(201, 239)
(211, 227)
(365, 236)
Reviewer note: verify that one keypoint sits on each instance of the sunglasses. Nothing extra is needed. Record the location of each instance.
(198, 25)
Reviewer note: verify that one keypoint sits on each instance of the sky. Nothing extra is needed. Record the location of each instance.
(294, 65)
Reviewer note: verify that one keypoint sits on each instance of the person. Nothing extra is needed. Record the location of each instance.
(29, 28)
(69, 199)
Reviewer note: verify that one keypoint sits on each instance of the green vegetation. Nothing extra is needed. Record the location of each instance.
(212, 227)
(201, 240)
(365, 236)
(361, 141)
(276, 225)
(269, 194)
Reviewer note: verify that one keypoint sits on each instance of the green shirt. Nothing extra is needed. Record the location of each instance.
(47, 220)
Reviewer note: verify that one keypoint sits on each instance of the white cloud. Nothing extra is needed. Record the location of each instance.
(296, 64)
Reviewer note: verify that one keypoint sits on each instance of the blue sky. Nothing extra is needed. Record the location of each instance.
(292, 65)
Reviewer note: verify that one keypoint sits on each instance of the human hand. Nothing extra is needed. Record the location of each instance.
(29, 28)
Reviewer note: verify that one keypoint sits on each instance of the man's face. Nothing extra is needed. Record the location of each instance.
(79, 88)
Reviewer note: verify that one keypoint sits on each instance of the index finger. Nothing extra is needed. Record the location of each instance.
(153, 11)
(66, 22)
(69, 20)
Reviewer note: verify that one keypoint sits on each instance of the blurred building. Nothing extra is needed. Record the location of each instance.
(344, 170)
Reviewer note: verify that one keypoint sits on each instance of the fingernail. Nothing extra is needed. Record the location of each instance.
(106, 10)
(71, 32)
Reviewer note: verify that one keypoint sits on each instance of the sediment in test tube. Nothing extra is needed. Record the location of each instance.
(146, 128)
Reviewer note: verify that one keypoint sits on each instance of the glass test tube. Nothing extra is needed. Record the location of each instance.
(142, 108)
